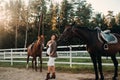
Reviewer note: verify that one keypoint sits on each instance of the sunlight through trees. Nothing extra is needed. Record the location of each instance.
(20, 20)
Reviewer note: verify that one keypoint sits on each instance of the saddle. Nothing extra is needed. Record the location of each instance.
(106, 37)
(31, 45)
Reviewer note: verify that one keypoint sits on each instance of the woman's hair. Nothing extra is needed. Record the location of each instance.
(56, 36)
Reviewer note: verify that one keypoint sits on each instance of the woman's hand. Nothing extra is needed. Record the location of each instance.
(51, 54)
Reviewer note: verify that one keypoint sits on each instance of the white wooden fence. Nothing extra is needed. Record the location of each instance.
(20, 55)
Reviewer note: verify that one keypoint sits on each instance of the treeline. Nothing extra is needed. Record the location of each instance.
(20, 23)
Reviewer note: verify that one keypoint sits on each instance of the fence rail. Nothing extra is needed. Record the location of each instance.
(20, 55)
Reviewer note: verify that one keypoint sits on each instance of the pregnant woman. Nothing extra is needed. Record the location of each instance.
(51, 51)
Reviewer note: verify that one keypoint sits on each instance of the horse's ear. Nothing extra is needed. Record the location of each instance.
(42, 37)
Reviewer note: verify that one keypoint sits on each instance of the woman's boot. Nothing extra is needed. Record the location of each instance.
(47, 76)
(53, 76)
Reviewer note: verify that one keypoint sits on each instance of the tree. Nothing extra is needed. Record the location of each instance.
(117, 19)
(98, 21)
(16, 18)
(54, 13)
(116, 27)
(83, 12)
(66, 10)
(36, 19)
(110, 19)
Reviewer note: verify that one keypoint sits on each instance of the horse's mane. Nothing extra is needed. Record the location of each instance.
(85, 28)
(81, 27)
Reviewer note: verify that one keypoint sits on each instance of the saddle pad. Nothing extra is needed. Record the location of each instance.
(30, 46)
(109, 38)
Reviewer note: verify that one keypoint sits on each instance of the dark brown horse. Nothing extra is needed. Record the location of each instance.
(94, 47)
(35, 50)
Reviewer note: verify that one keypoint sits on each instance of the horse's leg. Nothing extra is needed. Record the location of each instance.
(93, 57)
(100, 67)
(116, 67)
(27, 61)
(40, 64)
(35, 64)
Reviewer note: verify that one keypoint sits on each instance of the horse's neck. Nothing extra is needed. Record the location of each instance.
(87, 35)
(41, 44)
(37, 45)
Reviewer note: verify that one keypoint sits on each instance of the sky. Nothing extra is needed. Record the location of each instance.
(98, 5)
(105, 5)
(102, 5)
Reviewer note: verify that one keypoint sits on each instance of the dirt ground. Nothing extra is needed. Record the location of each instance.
(7, 73)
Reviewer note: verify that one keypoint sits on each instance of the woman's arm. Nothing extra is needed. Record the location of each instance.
(53, 48)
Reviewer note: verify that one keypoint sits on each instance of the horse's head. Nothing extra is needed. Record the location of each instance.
(66, 35)
(40, 40)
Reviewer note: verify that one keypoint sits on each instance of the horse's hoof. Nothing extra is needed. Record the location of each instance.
(115, 78)
(96, 78)
(102, 79)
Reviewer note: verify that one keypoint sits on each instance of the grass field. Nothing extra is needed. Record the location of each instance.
(63, 67)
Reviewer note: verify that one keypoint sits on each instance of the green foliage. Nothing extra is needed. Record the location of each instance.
(65, 13)
(83, 12)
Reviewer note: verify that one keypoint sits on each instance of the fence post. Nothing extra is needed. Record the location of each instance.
(70, 47)
(4, 55)
(11, 57)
